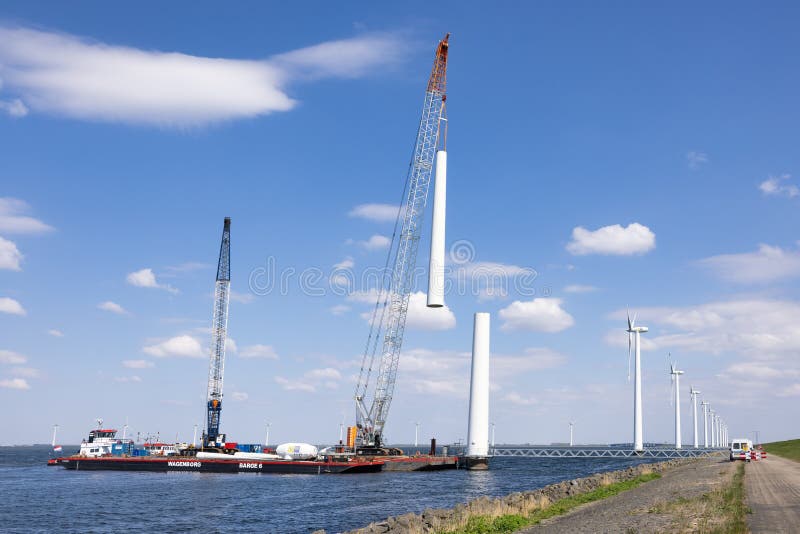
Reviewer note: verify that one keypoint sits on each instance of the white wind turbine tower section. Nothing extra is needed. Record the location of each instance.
(676, 384)
(635, 332)
(571, 426)
(436, 266)
(693, 393)
(713, 430)
(704, 404)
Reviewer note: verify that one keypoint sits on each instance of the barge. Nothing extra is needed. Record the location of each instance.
(190, 463)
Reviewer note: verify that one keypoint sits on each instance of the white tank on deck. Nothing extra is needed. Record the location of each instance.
(297, 451)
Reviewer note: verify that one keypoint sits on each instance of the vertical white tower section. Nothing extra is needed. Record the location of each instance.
(636, 331)
(571, 425)
(694, 393)
(478, 431)
(713, 430)
(704, 404)
(676, 378)
(436, 266)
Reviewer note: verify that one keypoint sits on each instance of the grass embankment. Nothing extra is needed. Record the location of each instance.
(788, 449)
(514, 522)
(719, 511)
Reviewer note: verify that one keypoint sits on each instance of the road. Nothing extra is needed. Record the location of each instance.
(772, 489)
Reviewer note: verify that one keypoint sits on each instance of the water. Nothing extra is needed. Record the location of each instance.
(35, 497)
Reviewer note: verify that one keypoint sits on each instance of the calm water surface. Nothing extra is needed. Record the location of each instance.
(34, 497)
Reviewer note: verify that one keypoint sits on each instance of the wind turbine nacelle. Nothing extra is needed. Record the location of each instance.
(641, 329)
(297, 451)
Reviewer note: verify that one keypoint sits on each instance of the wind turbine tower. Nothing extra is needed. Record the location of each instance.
(693, 393)
(676, 381)
(571, 425)
(713, 430)
(637, 384)
(704, 404)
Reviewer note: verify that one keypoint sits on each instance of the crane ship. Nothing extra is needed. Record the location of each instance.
(365, 449)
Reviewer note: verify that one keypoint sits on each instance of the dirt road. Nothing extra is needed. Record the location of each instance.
(772, 489)
(645, 508)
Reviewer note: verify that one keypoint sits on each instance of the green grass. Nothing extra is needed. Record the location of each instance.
(788, 449)
(731, 505)
(511, 523)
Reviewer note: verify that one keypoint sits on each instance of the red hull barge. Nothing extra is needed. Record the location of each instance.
(191, 464)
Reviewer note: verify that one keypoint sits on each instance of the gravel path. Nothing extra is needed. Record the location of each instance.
(772, 487)
(629, 511)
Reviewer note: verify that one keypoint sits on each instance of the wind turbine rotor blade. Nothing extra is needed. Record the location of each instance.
(629, 356)
(630, 325)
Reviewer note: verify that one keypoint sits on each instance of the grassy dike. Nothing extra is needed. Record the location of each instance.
(787, 449)
(513, 522)
(721, 510)
(517, 510)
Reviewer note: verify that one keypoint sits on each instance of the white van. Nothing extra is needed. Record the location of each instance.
(739, 447)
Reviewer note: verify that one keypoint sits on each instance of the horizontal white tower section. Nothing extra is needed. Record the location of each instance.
(436, 267)
(478, 432)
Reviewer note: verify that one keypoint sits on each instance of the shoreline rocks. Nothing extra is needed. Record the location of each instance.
(522, 503)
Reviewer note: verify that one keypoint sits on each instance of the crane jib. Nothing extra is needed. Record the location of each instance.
(392, 319)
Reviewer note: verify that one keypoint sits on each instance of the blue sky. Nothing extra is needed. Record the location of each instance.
(630, 155)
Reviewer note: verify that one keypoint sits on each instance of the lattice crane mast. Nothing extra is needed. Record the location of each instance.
(219, 331)
(389, 316)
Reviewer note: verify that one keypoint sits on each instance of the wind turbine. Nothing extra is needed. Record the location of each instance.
(571, 425)
(693, 393)
(676, 382)
(704, 404)
(637, 384)
(713, 430)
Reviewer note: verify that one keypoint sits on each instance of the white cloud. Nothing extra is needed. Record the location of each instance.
(27, 372)
(340, 309)
(759, 338)
(532, 359)
(137, 364)
(696, 159)
(125, 379)
(777, 186)
(538, 315)
(612, 240)
(112, 307)
(239, 396)
(515, 398)
(147, 278)
(767, 264)
(790, 391)
(242, 298)
(376, 242)
(180, 346)
(15, 383)
(327, 377)
(327, 373)
(578, 288)
(14, 108)
(13, 218)
(756, 370)
(369, 296)
(422, 317)
(70, 76)
(230, 345)
(375, 212)
(345, 264)
(11, 357)
(294, 385)
(259, 351)
(10, 256)
(55, 333)
(9, 305)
